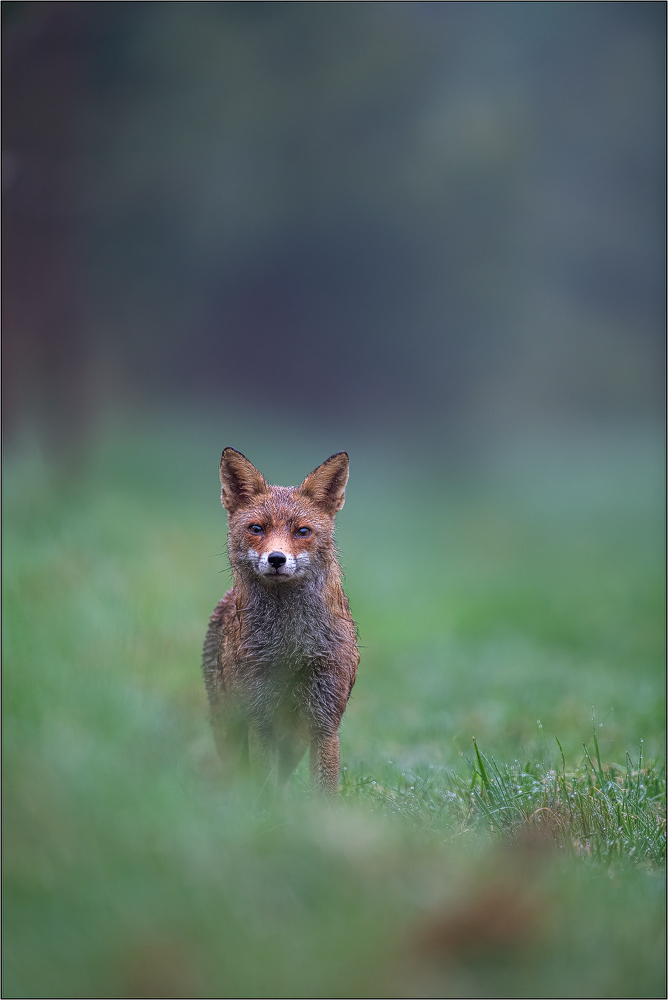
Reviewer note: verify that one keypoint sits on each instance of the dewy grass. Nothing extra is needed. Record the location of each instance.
(132, 869)
(610, 813)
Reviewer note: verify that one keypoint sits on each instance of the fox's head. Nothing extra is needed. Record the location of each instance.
(281, 534)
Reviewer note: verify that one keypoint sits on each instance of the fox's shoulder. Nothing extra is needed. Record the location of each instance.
(218, 624)
(224, 610)
(212, 643)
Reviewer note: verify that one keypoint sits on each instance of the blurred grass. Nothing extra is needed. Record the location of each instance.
(501, 601)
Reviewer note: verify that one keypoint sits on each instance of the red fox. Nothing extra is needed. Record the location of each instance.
(280, 655)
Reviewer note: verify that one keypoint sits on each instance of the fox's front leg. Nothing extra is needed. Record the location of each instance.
(230, 733)
(324, 762)
(261, 758)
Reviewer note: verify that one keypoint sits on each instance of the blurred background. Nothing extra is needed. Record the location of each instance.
(435, 215)
(430, 234)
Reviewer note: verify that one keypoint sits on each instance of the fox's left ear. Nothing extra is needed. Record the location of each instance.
(240, 480)
(326, 485)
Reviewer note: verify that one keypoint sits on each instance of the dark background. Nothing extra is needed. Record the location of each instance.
(429, 215)
(430, 234)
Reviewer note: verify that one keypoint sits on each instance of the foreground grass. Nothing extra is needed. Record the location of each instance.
(612, 814)
(131, 869)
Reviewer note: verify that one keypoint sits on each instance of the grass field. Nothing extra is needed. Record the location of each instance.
(518, 600)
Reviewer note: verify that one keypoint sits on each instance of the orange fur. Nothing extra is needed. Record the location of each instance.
(280, 655)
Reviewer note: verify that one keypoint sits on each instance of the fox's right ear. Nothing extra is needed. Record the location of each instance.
(239, 479)
(326, 485)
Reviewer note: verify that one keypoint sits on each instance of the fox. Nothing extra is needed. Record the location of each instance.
(280, 655)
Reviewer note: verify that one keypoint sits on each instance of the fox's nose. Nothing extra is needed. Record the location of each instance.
(276, 559)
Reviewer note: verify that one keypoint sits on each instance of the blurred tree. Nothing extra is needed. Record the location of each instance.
(43, 337)
(379, 212)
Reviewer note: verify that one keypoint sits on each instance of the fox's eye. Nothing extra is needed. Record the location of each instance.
(303, 532)
(255, 529)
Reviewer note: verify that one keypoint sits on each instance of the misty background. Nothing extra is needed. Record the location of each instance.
(435, 216)
(431, 235)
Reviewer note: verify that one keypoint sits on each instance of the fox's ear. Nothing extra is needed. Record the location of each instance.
(326, 485)
(239, 479)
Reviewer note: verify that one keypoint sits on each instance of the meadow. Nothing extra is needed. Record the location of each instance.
(501, 824)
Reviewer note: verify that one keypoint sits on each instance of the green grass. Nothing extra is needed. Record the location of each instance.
(612, 813)
(499, 603)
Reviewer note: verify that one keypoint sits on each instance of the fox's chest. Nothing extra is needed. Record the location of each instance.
(284, 632)
(284, 648)
(273, 671)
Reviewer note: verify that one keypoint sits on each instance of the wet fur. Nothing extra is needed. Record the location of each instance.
(280, 656)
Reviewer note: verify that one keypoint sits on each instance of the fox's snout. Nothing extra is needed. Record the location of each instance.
(278, 564)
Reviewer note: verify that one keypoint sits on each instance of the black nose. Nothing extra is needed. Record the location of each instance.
(276, 559)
